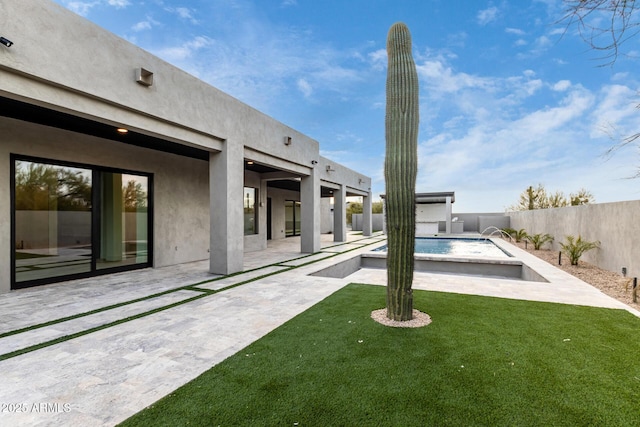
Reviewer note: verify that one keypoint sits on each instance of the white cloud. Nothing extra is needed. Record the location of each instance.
(305, 87)
(119, 4)
(616, 115)
(141, 26)
(561, 85)
(186, 50)
(440, 77)
(82, 8)
(543, 42)
(183, 13)
(487, 16)
(378, 59)
(515, 31)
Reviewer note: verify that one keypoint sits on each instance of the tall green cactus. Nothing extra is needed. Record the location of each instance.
(400, 170)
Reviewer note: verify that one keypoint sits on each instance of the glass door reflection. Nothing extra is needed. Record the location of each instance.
(52, 220)
(124, 201)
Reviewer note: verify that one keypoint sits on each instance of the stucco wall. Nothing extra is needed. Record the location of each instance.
(181, 186)
(615, 225)
(68, 63)
(478, 222)
(326, 215)
(377, 222)
(431, 212)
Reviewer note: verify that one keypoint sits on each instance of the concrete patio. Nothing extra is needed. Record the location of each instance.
(115, 344)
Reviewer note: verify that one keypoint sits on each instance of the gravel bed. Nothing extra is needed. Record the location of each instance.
(610, 283)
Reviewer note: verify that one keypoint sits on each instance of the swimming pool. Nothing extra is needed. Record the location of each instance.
(462, 247)
(466, 256)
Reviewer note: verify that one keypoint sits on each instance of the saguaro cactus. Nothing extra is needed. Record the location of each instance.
(400, 170)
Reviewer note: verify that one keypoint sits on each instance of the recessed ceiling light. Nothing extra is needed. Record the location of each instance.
(122, 130)
(250, 162)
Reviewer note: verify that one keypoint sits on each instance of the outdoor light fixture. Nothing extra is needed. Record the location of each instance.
(6, 42)
(287, 140)
(122, 131)
(314, 162)
(329, 169)
(250, 162)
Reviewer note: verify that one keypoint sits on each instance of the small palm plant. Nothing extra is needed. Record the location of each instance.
(519, 235)
(574, 248)
(539, 239)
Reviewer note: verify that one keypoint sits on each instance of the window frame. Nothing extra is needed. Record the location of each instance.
(95, 221)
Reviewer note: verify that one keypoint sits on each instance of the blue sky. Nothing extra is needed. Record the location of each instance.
(508, 98)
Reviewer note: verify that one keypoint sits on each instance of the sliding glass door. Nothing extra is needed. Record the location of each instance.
(292, 218)
(74, 221)
(52, 223)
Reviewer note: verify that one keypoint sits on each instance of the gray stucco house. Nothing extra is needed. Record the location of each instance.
(112, 159)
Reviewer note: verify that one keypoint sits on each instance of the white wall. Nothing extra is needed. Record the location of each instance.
(431, 212)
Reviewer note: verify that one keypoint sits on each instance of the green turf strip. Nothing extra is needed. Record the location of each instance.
(192, 287)
(483, 361)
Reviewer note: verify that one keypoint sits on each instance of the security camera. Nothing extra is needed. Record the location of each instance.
(6, 42)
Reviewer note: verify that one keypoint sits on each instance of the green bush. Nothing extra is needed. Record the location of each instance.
(539, 239)
(574, 248)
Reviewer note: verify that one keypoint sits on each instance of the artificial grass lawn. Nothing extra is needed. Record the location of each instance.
(483, 361)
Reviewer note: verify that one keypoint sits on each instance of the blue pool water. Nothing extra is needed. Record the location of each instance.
(456, 247)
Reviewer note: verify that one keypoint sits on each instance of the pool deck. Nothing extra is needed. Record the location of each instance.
(112, 345)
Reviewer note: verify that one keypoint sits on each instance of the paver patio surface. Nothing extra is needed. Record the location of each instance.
(135, 351)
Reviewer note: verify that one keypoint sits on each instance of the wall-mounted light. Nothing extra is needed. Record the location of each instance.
(144, 77)
(287, 140)
(360, 181)
(122, 131)
(314, 162)
(6, 42)
(329, 169)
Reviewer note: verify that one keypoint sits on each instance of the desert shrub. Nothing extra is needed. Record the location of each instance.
(574, 248)
(518, 235)
(539, 239)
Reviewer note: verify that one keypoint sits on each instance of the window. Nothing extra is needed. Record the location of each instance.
(250, 211)
(73, 221)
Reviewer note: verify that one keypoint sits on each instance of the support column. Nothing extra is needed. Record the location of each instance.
(310, 212)
(448, 226)
(226, 180)
(340, 215)
(367, 215)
